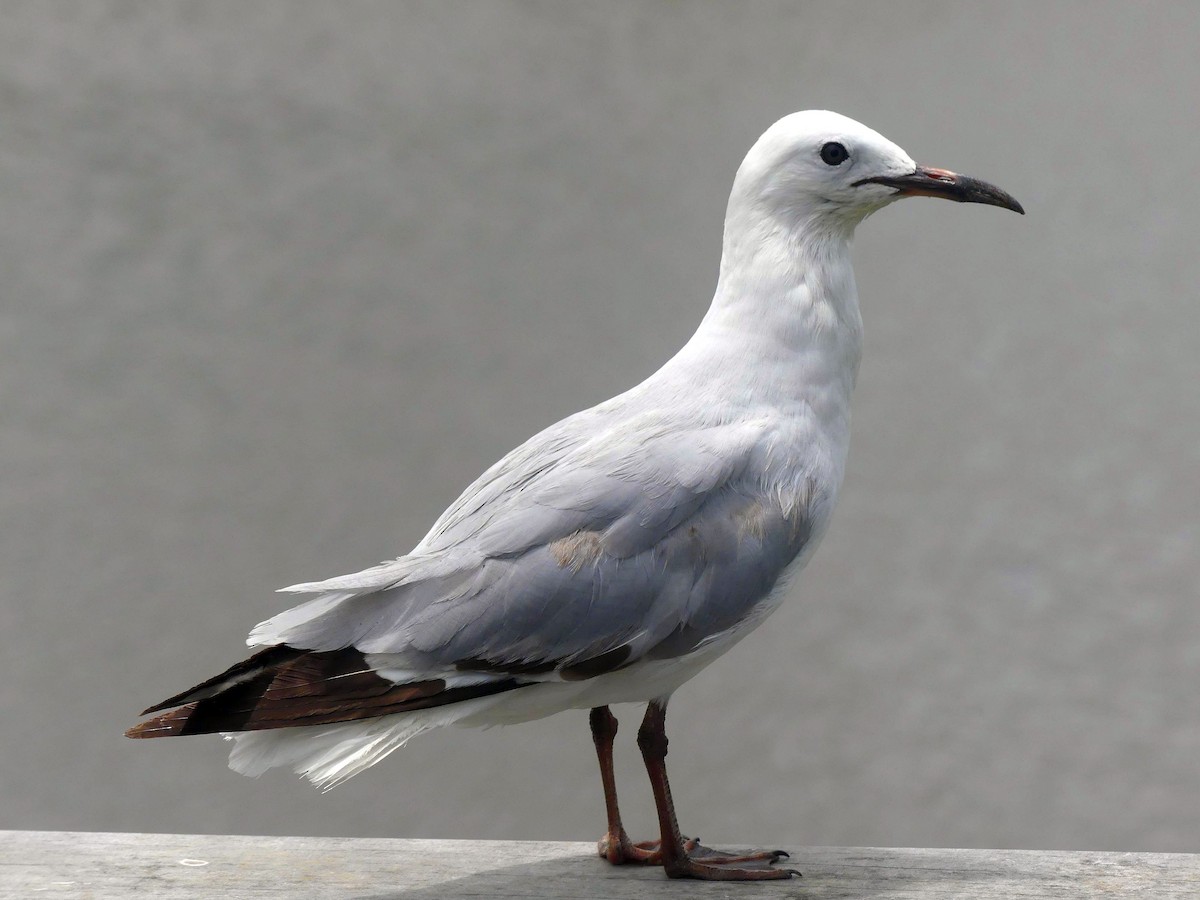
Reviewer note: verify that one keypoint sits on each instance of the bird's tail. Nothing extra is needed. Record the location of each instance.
(327, 756)
(328, 714)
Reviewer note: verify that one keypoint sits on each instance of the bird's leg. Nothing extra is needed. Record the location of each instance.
(688, 859)
(615, 846)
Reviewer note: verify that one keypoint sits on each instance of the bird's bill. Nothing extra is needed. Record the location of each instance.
(927, 181)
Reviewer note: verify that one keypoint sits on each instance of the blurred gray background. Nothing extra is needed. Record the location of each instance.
(279, 279)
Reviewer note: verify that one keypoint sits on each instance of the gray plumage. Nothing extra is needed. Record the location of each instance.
(618, 527)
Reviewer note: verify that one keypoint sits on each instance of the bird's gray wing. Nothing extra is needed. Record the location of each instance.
(647, 537)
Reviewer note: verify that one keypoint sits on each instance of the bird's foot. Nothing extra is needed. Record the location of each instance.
(619, 850)
(719, 865)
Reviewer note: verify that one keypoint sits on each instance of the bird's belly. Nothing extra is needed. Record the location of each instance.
(637, 684)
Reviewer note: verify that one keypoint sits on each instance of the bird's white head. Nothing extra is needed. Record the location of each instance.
(820, 173)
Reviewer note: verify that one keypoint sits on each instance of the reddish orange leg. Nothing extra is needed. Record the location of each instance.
(616, 846)
(687, 859)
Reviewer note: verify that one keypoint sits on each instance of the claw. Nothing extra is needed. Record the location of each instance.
(718, 865)
(720, 871)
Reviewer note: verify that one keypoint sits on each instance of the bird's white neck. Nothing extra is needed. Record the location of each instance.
(784, 328)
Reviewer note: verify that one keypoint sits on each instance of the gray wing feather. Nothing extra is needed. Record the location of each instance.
(650, 536)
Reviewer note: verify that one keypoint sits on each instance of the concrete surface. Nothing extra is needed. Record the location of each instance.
(92, 866)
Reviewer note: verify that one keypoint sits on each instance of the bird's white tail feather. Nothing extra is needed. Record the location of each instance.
(327, 756)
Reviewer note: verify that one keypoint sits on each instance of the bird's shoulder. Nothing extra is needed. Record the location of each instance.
(593, 468)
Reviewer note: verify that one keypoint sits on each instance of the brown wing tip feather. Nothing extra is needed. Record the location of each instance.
(285, 688)
(268, 658)
(162, 726)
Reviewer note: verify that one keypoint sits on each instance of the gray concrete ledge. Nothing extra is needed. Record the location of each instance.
(96, 866)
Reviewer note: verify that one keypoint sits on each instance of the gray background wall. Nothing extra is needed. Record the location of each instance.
(280, 279)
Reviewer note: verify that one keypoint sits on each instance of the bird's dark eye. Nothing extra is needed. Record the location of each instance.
(834, 154)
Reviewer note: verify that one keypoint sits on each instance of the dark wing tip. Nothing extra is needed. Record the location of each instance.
(267, 658)
(290, 688)
(162, 726)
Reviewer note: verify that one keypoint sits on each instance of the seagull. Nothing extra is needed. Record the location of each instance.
(614, 555)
